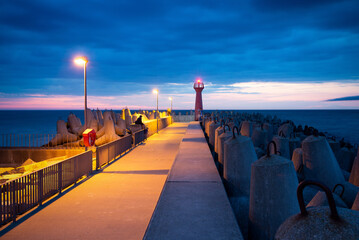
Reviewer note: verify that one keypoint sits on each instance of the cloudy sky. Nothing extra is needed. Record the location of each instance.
(251, 54)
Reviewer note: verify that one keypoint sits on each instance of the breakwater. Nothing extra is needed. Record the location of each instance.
(339, 123)
(264, 161)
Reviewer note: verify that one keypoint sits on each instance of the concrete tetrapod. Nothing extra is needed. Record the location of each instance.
(354, 174)
(128, 117)
(294, 142)
(282, 146)
(272, 195)
(240, 206)
(238, 156)
(62, 136)
(223, 137)
(206, 126)
(320, 199)
(269, 128)
(347, 192)
(99, 116)
(334, 145)
(286, 129)
(74, 124)
(345, 158)
(217, 133)
(297, 159)
(320, 223)
(356, 203)
(211, 132)
(109, 131)
(247, 128)
(319, 162)
(260, 137)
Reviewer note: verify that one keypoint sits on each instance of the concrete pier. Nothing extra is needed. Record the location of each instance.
(116, 203)
(119, 201)
(193, 204)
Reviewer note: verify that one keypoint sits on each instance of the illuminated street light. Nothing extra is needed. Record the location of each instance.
(155, 91)
(171, 99)
(82, 61)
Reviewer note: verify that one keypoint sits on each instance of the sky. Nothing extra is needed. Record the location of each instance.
(251, 54)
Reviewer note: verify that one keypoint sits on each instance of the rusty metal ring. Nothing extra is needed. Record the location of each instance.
(303, 211)
(235, 127)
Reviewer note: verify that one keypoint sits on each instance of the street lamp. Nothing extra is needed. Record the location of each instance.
(82, 61)
(171, 99)
(155, 91)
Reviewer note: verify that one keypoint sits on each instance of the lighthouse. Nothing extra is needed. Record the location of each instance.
(198, 86)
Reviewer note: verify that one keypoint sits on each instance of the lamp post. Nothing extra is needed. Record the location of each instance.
(83, 61)
(171, 99)
(155, 91)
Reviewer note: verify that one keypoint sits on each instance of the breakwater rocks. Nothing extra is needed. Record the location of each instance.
(285, 181)
(109, 126)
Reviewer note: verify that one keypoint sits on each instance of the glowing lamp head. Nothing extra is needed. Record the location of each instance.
(198, 80)
(170, 98)
(80, 61)
(155, 91)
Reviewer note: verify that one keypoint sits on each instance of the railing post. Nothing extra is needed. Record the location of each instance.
(75, 170)
(40, 181)
(97, 158)
(13, 201)
(59, 169)
(133, 136)
(108, 153)
(1, 204)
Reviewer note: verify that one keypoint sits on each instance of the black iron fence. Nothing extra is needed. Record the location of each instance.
(110, 151)
(139, 136)
(21, 194)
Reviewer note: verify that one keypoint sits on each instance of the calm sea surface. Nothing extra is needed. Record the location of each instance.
(340, 123)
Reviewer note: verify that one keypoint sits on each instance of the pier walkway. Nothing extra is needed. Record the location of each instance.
(166, 188)
(116, 203)
(193, 203)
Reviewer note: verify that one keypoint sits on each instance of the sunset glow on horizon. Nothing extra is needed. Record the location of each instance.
(242, 95)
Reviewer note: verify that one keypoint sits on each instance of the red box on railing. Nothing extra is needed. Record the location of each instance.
(89, 137)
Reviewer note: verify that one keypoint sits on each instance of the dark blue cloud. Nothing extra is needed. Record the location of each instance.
(151, 42)
(351, 98)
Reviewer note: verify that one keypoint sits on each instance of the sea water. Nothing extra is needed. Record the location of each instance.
(340, 123)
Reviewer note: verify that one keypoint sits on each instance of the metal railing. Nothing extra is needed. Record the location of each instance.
(21, 194)
(110, 151)
(139, 137)
(36, 140)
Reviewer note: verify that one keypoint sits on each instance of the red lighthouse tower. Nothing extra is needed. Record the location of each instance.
(198, 86)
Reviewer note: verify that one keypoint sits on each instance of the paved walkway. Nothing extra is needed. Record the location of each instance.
(115, 204)
(193, 203)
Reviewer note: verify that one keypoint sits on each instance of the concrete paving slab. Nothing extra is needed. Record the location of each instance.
(116, 203)
(193, 210)
(193, 204)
